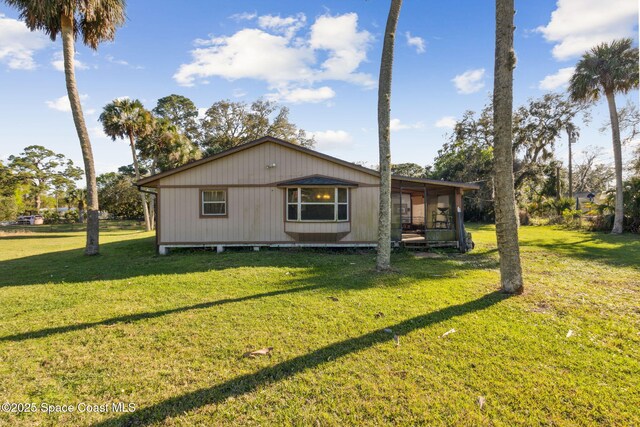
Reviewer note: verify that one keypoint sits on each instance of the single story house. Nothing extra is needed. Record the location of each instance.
(270, 192)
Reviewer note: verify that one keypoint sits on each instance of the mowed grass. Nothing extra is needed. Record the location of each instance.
(168, 333)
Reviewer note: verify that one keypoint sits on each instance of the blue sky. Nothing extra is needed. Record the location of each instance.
(321, 59)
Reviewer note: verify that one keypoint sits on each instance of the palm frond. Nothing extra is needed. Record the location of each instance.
(606, 68)
(96, 20)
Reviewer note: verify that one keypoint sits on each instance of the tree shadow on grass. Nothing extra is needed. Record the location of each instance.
(618, 251)
(329, 274)
(250, 382)
(129, 318)
(136, 257)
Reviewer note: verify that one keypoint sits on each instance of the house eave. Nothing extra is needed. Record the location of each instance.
(153, 180)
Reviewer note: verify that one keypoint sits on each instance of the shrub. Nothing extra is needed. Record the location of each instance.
(631, 194)
(560, 205)
(572, 217)
(71, 216)
(51, 217)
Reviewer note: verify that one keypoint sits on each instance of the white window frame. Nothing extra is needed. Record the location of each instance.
(299, 204)
(203, 203)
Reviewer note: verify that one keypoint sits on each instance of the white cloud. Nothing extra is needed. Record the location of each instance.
(249, 53)
(18, 44)
(117, 61)
(470, 81)
(448, 122)
(244, 16)
(239, 93)
(63, 104)
(287, 26)
(97, 132)
(299, 95)
(114, 60)
(286, 63)
(58, 62)
(578, 25)
(346, 46)
(396, 125)
(417, 42)
(331, 139)
(557, 80)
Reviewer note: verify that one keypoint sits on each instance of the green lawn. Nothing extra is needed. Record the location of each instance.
(168, 333)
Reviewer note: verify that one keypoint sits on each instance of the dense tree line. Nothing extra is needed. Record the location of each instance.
(538, 174)
(36, 178)
(226, 124)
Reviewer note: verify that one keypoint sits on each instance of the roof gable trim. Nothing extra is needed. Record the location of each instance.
(245, 146)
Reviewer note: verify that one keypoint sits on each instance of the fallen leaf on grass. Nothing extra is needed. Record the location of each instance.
(570, 333)
(262, 352)
(450, 331)
(481, 401)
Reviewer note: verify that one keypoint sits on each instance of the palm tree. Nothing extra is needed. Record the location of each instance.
(505, 204)
(608, 68)
(128, 118)
(77, 197)
(96, 21)
(166, 147)
(383, 259)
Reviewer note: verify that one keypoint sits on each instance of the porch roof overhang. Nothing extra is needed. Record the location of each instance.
(408, 181)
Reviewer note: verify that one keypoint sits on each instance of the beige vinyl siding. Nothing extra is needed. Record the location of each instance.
(250, 167)
(364, 214)
(255, 206)
(256, 214)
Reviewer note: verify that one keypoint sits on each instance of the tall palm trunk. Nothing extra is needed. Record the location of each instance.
(618, 220)
(68, 46)
(383, 260)
(145, 206)
(571, 138)
(505, 207)
(80, 211)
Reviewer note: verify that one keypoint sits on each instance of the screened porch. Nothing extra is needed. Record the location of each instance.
(427, 213)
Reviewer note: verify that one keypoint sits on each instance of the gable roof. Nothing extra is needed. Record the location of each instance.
(144, 182)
